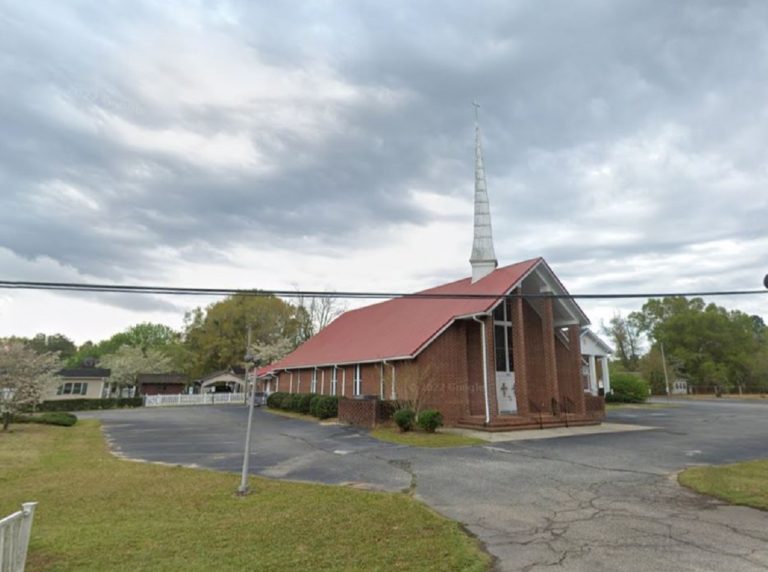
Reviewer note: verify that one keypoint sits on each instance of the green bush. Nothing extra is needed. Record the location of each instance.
(50, 418)
(90, 404)
(627, 388)
(404, 419)
(430, 420)
(327, 407)
(275, 400)
(303, 403)
(313, 403)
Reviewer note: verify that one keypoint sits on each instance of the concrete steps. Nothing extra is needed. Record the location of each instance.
(514, 422)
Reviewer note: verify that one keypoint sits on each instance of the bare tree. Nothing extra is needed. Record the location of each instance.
(317, 312)
(625, 335)
(24, 377)
(414, 384)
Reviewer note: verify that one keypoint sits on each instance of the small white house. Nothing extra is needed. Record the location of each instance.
(594, 363)
(679, 387)
(80, 383)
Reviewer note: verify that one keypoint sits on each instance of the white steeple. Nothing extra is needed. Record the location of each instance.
(483, 259)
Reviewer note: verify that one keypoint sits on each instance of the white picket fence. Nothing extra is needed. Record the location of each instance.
(194, 399)
(15, 530)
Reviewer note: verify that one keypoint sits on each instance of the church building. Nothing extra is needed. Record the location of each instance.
(498, 350)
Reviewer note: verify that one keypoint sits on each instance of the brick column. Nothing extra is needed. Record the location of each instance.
(518, 354)
(550, 358)
(490, 358)
(574, 342)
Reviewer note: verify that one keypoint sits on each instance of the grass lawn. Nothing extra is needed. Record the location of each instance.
(97, 512)
(740, 483)
(422, 439)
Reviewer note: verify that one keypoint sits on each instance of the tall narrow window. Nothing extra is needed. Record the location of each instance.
(313, 388)
(358, 381)
(502, 338)
(334, 379)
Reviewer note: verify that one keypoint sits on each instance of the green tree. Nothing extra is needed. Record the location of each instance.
(144, 336)
(147, 335)
(58, 343)
(710, 345)
(217, 336)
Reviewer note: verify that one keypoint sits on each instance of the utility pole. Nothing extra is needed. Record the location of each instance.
(252, 360)
(664, 365)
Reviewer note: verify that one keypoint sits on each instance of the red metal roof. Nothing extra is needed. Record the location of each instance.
(400, 327)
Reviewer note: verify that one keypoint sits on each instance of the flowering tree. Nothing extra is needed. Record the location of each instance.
(24, 377)
(128, 362)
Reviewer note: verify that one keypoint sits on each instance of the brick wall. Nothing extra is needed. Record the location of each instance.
(442, 371)
(360, 412)
(595, 406)
(534, 356)
(472, 351)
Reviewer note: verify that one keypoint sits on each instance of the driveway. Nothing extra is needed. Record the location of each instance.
(592, 502)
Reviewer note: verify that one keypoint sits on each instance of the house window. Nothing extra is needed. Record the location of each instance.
(313, 388)
(334, 379)
(72, 389)
(358, 385)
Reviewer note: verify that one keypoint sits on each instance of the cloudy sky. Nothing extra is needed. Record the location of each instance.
(329, 145)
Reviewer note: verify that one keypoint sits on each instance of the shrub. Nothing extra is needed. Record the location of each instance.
(303, 403)
(429, 420)
(627, 388)
(287, 401)
(313, 403)
(404, 419)
(275, 400)
(50, 418)
(387, 409)
(327, 407)
(90, 404)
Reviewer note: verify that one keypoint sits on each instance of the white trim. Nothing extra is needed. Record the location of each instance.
(606, 377)
(335, 380)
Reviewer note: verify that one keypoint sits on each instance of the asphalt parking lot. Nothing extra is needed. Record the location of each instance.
(589, 502)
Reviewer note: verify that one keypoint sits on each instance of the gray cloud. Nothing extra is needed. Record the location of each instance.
(629, 128)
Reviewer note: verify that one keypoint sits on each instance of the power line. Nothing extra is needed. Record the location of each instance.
(183, 291)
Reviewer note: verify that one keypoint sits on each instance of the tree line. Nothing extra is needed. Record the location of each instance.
(709, 346)
(212, 338)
